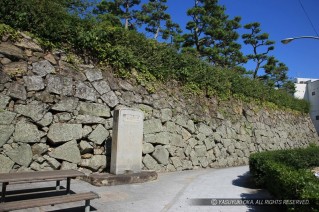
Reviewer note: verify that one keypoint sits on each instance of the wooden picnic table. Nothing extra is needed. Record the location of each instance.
(43, 176)
(39, 176)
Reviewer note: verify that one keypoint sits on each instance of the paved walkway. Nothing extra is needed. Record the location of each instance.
(170, 192)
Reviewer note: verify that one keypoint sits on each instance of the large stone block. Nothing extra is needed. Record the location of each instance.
(46, 120)
(6, 117)
(68, 166)
(95, 163)
(200, 150)
(177, 140)
(209, 143)
(69, 70)
(186, 123)
(93, 74)
(83, 91)
(158, 138)
(150, 163)
(161, 155)
(85, 147)
(68, 152)
(11, 51)
(93, 109)
(6, 164)
(176, 162)
(185, 134)
(17, 91)
(99, 135)
(66, 104)
(43, 68)
(101, 86)
(26, 132)
(52, 162)
(4, 101)
(153, 126)
(16, 68)
(28, 44)
(49, 57)
(61, 132)
(45, 97)
(129, 97)
(148, 148)
(86, 131)
(39, 149)
(125, 85)
(21, 155)
(35, 110)
(187, 165)
(166, 114)
(4, 78)
(5, 133)
(87, 119)
(33, 83)
(206, 130)
(203, 161)
(110, 99)
(59, 85)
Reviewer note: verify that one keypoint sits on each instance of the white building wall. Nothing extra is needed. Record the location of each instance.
(313, 96)
(308, 89)
(301, 91)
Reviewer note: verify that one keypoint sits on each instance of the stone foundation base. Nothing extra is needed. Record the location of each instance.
(107, 179)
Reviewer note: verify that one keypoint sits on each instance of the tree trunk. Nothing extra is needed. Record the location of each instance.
(126, 14)
(256, 69)
(157, 32)
(126, 23)
(196, 36)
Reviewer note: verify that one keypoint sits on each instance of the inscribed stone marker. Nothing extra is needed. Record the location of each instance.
(127, 141)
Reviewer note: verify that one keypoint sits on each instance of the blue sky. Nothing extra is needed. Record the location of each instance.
(279, 18)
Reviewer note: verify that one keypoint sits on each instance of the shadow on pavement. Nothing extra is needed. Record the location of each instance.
(34, 193)
(74, 209)
(246, 181)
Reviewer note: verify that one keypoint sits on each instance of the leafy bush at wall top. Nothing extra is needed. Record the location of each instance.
(128, 49)
(50, 19)
(286, 174)
(106, 43)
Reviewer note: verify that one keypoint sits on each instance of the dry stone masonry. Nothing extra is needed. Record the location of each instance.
(58, 115)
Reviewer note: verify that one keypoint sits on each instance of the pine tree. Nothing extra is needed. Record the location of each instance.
(196, 27)
(157, 21)
(275, 72)
(259, 41)
(119, 8)
(213, 34)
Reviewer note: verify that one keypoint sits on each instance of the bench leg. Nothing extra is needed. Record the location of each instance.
(87, 206)
(58, 185)
(68, 185)
(3, 195)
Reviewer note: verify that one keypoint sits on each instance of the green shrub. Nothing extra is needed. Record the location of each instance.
(50, 19)
(286, 174)
(6, 30)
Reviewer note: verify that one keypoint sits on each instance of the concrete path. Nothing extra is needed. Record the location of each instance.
(170, 192)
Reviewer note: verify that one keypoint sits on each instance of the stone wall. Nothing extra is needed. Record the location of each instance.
(58, 115)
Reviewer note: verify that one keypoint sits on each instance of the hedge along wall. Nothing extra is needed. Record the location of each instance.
(57, 115)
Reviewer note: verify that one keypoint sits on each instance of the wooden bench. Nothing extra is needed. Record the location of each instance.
(31, 203)
(43, 176)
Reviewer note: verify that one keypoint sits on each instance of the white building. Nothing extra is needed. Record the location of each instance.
(308, 89)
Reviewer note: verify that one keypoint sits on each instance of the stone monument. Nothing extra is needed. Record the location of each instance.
(127, 141)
